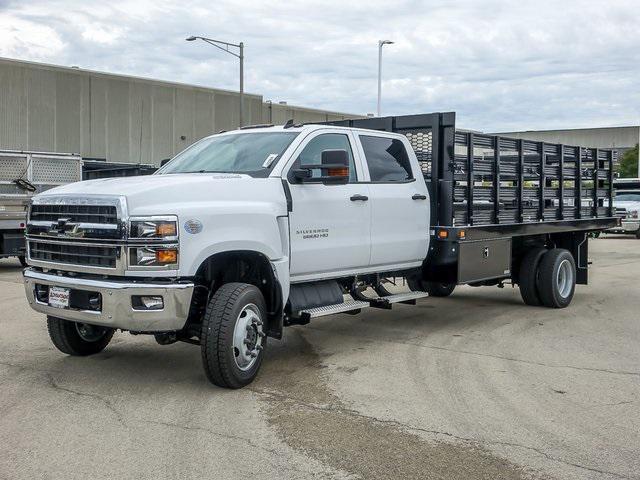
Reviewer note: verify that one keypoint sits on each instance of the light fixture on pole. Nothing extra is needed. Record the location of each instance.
(381, 43)
(227, 47)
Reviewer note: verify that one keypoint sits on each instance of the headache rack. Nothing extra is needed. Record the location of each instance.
(479, 181)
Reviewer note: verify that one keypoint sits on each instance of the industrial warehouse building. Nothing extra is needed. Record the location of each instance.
(136, 120)
(619, 138)
(121, 118)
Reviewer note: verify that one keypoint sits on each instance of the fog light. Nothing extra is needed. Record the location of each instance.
(42, 293)
(147, 302)
(95, 302)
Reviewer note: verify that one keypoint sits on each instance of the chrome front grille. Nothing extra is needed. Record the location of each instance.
(98, 214)
(82, 234)
(73, 253)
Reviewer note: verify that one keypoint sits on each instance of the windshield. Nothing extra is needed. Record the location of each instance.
(250, 153)
(628, 197)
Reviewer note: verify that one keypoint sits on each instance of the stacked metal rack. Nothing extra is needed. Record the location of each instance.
(480, 180)
(503, 180)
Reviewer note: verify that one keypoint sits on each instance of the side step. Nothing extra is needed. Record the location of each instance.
(408, 298)
(352, 306)
(355, 306)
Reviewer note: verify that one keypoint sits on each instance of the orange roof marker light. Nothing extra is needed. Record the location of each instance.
(443, 234)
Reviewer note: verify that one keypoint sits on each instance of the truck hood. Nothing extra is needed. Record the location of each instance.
(155, 194)
(628, 206)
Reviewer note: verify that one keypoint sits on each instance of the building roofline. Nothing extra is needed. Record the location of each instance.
(506, 132)
(121, 76)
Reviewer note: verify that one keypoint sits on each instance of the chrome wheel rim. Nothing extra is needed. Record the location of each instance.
(564, 278)
(90, 333)
(248, 337)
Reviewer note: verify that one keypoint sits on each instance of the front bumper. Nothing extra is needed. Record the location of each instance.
(116, 309)
(626, 226)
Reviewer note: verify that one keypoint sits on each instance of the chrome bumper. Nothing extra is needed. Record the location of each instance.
(116, 310)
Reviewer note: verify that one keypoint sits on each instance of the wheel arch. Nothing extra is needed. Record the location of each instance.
(246, 266)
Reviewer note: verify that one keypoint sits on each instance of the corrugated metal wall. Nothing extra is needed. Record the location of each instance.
(118, 118)
(607, 137)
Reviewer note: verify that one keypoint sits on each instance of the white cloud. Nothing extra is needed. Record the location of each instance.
(26, 39)
(501, 64)
(102, 34)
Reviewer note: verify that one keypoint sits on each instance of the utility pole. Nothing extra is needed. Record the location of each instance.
(225, 47)
(381, 43)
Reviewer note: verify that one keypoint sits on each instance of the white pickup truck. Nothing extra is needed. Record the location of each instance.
(251, 230)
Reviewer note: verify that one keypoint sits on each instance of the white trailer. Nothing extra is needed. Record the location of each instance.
(22, 175)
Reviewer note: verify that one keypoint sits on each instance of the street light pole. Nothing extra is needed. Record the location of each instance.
(226, 47)
(381, 43)
(241, 57)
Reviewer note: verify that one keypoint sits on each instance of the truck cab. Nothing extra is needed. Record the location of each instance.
(287, 218)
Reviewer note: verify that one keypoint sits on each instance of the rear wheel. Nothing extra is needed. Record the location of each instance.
(232, 337)
(638, 234)
(556, 278)
(434, 289)
(527, 278)
(78, 339)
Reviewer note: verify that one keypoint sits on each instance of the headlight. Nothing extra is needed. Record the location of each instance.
(154, 242)
(153, 256)
(632, 214)
(164, 228)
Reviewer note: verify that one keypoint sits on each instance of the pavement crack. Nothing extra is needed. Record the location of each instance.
(106, 402)
(215, 433)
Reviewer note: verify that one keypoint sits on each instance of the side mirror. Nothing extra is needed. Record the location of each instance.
(334, 168)
(164, 162)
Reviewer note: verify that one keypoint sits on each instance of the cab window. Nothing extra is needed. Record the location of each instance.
(312, 152)
(387, 159)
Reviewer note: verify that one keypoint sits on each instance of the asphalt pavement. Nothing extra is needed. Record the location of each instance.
(475, 386)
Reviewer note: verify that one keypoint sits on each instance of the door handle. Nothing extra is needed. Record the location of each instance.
(419, 196)
(359, 198)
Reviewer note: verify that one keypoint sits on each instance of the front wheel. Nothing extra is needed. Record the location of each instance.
(638, 234)
(22, 260)
(232, 340)
(78, 339)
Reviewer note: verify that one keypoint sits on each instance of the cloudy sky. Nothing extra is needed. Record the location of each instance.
(500, 64)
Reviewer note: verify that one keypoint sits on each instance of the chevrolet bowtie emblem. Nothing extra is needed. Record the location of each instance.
(60, 228)
(75, 231)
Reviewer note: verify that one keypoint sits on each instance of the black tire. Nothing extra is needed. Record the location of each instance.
(550, 289)
(219, 356)
(22, 260)
(434, 289)
(527, 278)
(638, 234)
(67, 337)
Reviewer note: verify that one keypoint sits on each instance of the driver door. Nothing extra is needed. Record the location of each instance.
(330, 225)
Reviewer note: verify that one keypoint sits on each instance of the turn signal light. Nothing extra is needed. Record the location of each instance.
(166, 256)
(443, 234)
(338, 172)
(166, 229)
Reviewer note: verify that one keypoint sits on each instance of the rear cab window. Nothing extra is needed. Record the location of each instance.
(387, 159)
